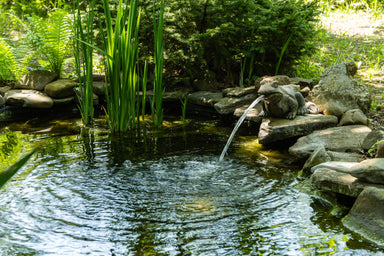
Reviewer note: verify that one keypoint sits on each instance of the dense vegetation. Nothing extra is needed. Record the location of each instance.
(226, 38)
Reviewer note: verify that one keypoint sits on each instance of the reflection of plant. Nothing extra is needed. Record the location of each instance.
(54, 40)
(7, 174)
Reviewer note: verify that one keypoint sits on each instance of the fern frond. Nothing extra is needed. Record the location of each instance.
(8, 66)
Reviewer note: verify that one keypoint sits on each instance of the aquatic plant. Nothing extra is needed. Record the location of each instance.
(121, 48)
(84, 61)
(158, 91)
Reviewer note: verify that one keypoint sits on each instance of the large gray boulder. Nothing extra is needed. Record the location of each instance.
(28, 99)
(340, 139)
(279, 129)
(367, 215)
(59, 89)
(36, 80)
(338, 91)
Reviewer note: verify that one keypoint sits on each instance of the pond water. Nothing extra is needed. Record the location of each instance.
(164, 193)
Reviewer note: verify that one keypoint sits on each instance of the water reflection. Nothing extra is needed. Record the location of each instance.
(162, 194)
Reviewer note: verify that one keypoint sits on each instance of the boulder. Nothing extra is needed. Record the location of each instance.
(252, 115)
(338, 92)
(380, 150)
(62, 88)
(28, 99)
(205, 98)
(377, 134)
(228, 105)
(340, 139)
(367, 215)
(279, 129)
(36, 80)
(353, 116)
(370, 170)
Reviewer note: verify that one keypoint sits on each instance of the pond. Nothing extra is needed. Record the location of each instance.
(163, 193)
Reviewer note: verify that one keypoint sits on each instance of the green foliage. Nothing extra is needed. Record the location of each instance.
(216, 35)
(7, 62)
(53, 38)
(121, 48)
(34, 7)
(158, 91)
(84, 61)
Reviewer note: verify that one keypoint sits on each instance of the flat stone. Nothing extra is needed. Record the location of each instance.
(238, 91)
(252, 115)
(329, 180)
(318, 156)
(28, 99)
(370, 170)
(36, 80)
(228, 105)
(62, 88)
(367, 215)
(279, 129)
(4, 89)
(340, 139)
(335, 166)
(204, 98)
(98, 87)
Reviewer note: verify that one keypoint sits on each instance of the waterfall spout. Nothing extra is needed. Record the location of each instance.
(239, 122)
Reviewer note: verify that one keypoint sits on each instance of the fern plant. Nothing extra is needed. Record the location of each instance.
(55, 35)
(9, 69)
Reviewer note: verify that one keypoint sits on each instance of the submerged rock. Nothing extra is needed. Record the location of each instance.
(278, 129)
(28, 99)
(367, 215)
(340, 139)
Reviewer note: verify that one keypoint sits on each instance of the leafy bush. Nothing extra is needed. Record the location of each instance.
(212, 35)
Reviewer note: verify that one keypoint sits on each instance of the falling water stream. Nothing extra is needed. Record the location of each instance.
(165, 193)
(237, 126)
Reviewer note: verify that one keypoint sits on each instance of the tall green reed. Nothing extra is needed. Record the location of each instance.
(158, 91)
(84, 61)
(121, 48)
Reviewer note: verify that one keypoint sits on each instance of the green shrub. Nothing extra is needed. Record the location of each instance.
(212, 35)
(9, 68)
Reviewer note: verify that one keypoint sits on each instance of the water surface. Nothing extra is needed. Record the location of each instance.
(164, 193)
